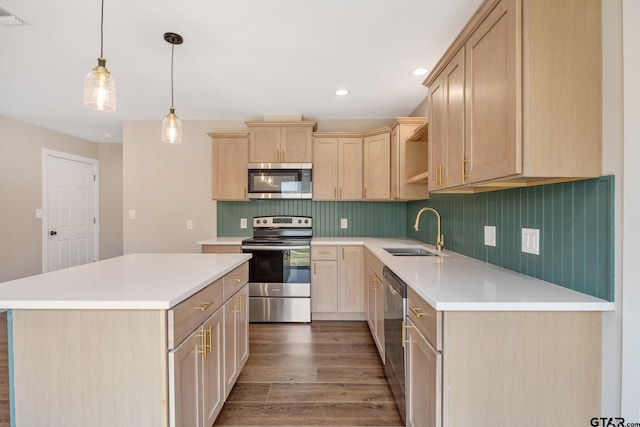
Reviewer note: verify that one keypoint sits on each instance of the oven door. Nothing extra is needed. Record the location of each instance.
(276, 271)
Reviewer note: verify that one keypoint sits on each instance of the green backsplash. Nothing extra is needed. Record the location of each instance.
(365, 219)
(575, 220)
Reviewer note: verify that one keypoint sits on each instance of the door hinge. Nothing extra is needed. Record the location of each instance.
(94, 177)
(94, 220)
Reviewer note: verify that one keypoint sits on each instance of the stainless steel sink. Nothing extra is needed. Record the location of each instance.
(409, 251)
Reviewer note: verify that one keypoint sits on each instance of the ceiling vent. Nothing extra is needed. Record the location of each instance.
(7, 18)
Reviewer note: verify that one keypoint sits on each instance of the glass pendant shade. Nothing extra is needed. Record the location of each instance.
(100, 88)
(172, 128)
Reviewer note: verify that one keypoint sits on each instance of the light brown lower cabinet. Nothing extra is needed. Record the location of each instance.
(374, 295)
(236, 337)
(196, 368)
(337, 273)
(501, 368)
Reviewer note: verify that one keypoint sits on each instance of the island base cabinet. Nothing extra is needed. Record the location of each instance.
(521, 368)
(195, 376)
(108, 368)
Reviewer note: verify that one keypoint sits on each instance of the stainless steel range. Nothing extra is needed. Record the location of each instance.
(280, 269)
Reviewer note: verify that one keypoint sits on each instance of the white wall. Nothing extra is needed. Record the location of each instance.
(631, 214)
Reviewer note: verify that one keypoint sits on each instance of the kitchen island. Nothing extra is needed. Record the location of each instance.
(136, 340)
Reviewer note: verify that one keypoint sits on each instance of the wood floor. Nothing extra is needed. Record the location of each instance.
(318, 374)
(5, 419)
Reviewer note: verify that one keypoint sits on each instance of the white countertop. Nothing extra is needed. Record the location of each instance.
(135, 281)
(454, 282)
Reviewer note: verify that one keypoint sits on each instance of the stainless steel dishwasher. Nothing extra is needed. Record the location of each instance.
(395, 312)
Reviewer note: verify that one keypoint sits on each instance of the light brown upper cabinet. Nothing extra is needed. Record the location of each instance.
(337, 166)
(229, 166)
(532, 99)
(288, 142)
(446, 133)
(377, 165)
(409, 160)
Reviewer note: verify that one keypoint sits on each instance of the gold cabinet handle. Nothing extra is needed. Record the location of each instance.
(405, 341)
(342, 253)
(464, 167)
(341, 192)
(335, 194)
(205, 305)
(238, 279)
(203, 343)
(282, 156)
(365, 192)
(416, 311)
(315, 268)
(324, 252)
(208, 333)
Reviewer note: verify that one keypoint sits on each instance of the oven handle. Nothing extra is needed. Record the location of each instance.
(273, 248)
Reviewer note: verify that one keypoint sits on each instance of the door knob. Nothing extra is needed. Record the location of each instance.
(53, 233)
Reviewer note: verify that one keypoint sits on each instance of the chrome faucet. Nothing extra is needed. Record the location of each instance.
(440, 237)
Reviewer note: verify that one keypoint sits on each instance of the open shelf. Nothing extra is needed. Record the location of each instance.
(420, 178)
(421, 132)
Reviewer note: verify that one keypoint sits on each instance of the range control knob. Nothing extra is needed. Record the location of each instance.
(306, 221)
(299, 221)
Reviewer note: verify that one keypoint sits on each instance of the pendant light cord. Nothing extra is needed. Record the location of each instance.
(101, 28)
(172, 46)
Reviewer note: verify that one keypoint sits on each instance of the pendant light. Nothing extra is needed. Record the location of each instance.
(99, 86)
(171, 125)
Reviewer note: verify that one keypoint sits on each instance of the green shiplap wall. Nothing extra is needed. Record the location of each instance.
(575, 220)
(365, 219)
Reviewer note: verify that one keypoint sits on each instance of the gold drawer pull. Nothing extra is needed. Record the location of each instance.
(238, 279)
(205, 305)
(203, 343)
(416, 311)
(324, 252)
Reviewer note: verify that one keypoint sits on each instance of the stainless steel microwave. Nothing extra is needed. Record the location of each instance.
(279, 181)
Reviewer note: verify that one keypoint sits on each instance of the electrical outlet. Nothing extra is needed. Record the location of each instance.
(490, 235)
(344, 223)
(531, 241)
(243, 222)
(38, 213)
(189, 224)
(132, 214)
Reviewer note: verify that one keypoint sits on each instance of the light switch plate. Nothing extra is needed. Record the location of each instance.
(490, 235)
(189, 224)
(344, 223)
(132, 214)
(531, 241)
(38, 213)
(243, 222)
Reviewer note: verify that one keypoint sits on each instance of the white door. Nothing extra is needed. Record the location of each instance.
(70, 207)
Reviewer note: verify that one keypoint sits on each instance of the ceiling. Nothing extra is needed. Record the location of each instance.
(240, 59)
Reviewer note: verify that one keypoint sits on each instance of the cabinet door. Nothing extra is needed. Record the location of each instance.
(264, 145)
(423, 381)
(212, 369)
(380, 316)
(324, 287)
(295, 144)
(493, 140)
(325, 169)
(377, 167)
(370, 307)
(436, 133)
(351, 277)
(243, 327)
(185, 382)
(453, 153)
(231, 332)
(349, 168)
(229, 168)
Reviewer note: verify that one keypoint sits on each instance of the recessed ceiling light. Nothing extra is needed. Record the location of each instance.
(420, 72)
(108, 135)
(342, 92)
